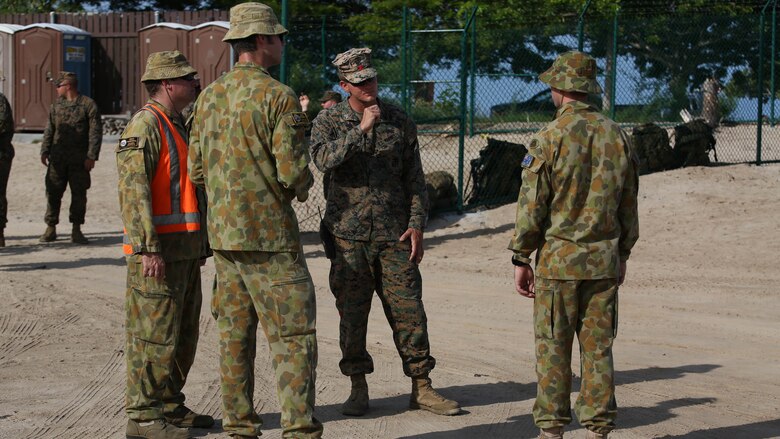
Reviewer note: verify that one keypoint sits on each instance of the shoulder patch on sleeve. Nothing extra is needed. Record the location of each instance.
(297, 119)
(532, 163)
(128, 143)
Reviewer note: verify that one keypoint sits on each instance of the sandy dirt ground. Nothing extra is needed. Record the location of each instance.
(697, 354)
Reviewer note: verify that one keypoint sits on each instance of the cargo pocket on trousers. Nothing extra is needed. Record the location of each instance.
(293, 295)
(543, 309)
(151, 308)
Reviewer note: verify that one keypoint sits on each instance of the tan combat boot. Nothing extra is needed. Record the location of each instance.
(357, 403)
(551, 433)
(593, 435)
(156, 429)
(426, 398)
(49, 235)
(77, 237)
(184, 417)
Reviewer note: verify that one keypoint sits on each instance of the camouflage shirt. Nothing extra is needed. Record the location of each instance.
(247, 149)
(74, 131)
(377, 186)
(6, 129)
(578, 200)
(137, 157)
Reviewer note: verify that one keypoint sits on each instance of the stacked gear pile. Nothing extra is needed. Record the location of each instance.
(651, 144)
(693, 142)
(442, 193)
(495, 174)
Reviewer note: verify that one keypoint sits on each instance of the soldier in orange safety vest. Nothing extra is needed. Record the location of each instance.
(165, 247)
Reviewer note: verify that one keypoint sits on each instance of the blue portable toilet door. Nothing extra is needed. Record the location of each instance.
(77, 58)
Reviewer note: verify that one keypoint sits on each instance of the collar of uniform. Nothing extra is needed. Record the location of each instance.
(248, 65)
(173, 117)
(574, 106)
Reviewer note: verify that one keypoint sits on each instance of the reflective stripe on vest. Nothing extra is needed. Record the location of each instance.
(174, 202)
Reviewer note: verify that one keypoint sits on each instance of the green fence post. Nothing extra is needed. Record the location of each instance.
(473, 66)
(463, 91)
(324, 56)
(404, 61)
(760, 109)
(581, 27)
(283, 67)
(613, 87)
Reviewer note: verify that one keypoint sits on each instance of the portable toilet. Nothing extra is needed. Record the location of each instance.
(42, 50)
(7, 59)
(210, 56)
(158, 37)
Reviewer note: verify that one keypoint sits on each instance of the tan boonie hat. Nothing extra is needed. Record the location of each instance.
(252, 18)
(330, 96)
(168, 64)
(572, 71)
(354, 65)
(63, 77)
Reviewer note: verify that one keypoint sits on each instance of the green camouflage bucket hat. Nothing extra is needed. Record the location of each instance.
(330, 96)
(168, 64)
(63, 77)
(572, 71)
(249, 19)
(355, 65)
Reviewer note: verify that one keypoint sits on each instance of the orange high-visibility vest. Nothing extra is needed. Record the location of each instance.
(174, 203)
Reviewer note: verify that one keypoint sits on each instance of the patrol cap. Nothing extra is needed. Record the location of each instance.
(63, 77)
(572, 71)
(168, 64)
(354, 65)
(330, 96)
(252, 18)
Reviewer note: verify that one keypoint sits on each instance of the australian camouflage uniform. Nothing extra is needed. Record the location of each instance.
(577, 209)
(247, 149)
(73, 134)
(6, 157)
(161, 214)
(377, 192)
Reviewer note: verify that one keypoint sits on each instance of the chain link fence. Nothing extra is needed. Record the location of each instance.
(475, 95)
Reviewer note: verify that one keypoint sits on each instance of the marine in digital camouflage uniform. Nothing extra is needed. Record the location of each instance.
(6, 157)
(577, 209)
(247, 149)
(163, 297)
(70, 148)
(376, 211)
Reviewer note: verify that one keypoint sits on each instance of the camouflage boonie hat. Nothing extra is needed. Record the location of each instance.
(168, 64)
(330, 96)
(63, 77)
(572, 71)
(354, 65)
(249, 19)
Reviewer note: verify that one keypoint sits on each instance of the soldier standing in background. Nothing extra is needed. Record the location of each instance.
(165, 248)
(329, 99)
(6, 157)
(376, 212)
(247, 149)
(70, 148)
(577, 209)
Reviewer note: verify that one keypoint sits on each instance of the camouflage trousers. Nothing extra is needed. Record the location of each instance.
(276, 290)
(59, 175)
(359, 269)
(5, 171)
(587, 308)
(162, 335)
